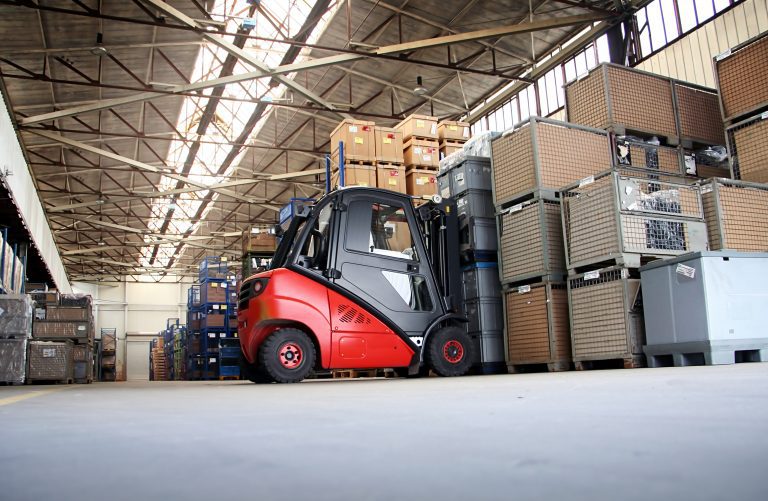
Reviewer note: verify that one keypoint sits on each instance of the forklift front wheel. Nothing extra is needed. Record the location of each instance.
(287, 355)
(449, 352)
(253, 374)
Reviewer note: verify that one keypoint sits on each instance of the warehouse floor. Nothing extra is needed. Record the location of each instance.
(695, 433)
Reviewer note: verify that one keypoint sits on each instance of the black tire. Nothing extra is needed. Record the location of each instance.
(287, 355)
(449, 352)
(252, 373)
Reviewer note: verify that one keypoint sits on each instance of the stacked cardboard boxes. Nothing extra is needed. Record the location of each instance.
(15, 331)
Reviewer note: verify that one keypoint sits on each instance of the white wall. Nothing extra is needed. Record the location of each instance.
(690, 58)
(138, 310)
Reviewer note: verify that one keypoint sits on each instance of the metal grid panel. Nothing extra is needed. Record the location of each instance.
(531, 336)
(527, 248)
(711, 218)
(513, 162)
(567, 154)
(645, 235)
(699, 114)
(648, 156)
(586, 102)
(743, 221)
(641, 101)
(590, 221)
(741, 79)
(600, 315)
(50, 360)
(749, 155)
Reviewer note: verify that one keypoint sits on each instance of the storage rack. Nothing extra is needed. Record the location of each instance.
(212, 327)
(108, 354)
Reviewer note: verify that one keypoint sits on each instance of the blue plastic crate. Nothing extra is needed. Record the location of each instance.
(212, 268)
(229, 371)
(229, 352)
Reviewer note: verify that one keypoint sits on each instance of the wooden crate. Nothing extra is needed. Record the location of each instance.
(422, 153)
(420, 126)
(421, 182)
(358, 138)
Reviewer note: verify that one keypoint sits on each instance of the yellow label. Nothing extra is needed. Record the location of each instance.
(420, 124)
(387, 140)
(362, 184)
(453, 127)
(421, 180)
(358, 140)
(393, 182)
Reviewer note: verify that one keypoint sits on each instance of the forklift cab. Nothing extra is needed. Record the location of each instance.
(389, 271)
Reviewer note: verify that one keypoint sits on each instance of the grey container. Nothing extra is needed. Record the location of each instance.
(484, 315)
(481, 282)
(50, 361)
(489, 346)
(478, 234)
(706, 307)
(444, 185)
(474, 173)
(477, 203)
(13, 360)
(16, 314)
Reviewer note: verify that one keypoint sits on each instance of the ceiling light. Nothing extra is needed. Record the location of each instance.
(102, 243)
(419, 90)
(99, 49)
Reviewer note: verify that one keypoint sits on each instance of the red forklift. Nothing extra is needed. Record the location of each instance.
(362, 279)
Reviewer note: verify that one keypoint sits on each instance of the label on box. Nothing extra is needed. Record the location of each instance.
(764, 115)
(394, 173)
(215, 306)
(353, 128)
(417, 150)
(366, 128)
(586, 181)
(706, 189)
(684, 270)
(255, 230)
(420, 124)
(516, 208)
(358, 140)
(461, 202)
(592, 275)
(453, 127)
(49, 352)
(211, 334)
(81, 327)
(459, 178)
(465, 133)
(214, 284)
(434, 129)
(427, 158)
(420, 181)
(362, 184)
(387, 140)
(211, 360)
(223, 306)
(523, 289)
(690, 164)
(392, 182)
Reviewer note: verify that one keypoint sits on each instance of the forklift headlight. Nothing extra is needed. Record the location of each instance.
(250, 290)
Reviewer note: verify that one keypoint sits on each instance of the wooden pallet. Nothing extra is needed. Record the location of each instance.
(389, 165)
(229, 378)
(629, 362)
(354, 373)
(552, 366)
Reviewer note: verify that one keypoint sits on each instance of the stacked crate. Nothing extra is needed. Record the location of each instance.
(468, 181)
(737, 215)
(390, 169)
(157, 368)
(740, 74)
(530, 164)
(108, 355)
(353, 152)
(15, 331)
(612, 224)
(70, 322)
(452, 136)
(211, 320)
(259, 245)
(421, 154)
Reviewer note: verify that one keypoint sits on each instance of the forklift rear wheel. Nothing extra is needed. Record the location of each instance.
(287, 356)
(252, 373)
(449, 352)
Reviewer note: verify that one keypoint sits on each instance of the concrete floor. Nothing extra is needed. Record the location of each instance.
(698, 433)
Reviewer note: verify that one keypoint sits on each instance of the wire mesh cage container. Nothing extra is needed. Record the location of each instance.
(623, 100)
(606, 316)
(542, 154)
(537, 325)
(698, 114)
(613, 217)
(531, 241)
(747, 149)
(17, 312)
(13, 360)
(50, 361)
(632, 151)
(737, 215)
(740, 74)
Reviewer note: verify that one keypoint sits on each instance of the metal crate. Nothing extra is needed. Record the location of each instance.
(606, 315)
(13, 360)
(542, 154)
(477, 203)
(45, 329)
(621, 218)
(631, 152)
(481, 281)
(531, 241)
(748, 149)
(16, 317)
(50, 361)
(698, 114)
(623, 100)
(737, 215)
(740, 75)
(537, 324)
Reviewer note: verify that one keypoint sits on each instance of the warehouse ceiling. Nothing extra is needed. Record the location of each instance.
(158, 131)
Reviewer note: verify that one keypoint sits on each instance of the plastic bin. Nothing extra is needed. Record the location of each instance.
(475, 203)
(481, 281)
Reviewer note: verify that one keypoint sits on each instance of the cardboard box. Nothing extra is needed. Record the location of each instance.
(391, 177)
(449, 129)
(258, 239)
(213, 293)
(450, 147)
(358, 138)
(419, 182)
(421, 126)
(389, 145)
(356, 175)
(421, 152)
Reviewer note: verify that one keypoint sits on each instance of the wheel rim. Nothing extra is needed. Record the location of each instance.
(453, 351)
(291, 355)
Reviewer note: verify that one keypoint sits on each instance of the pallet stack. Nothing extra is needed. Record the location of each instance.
(468, 180)
(57, 329)
(108, 355)
(15, 331)
(212, 323)
(452, 136)
(259, 245)
(740, 74)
